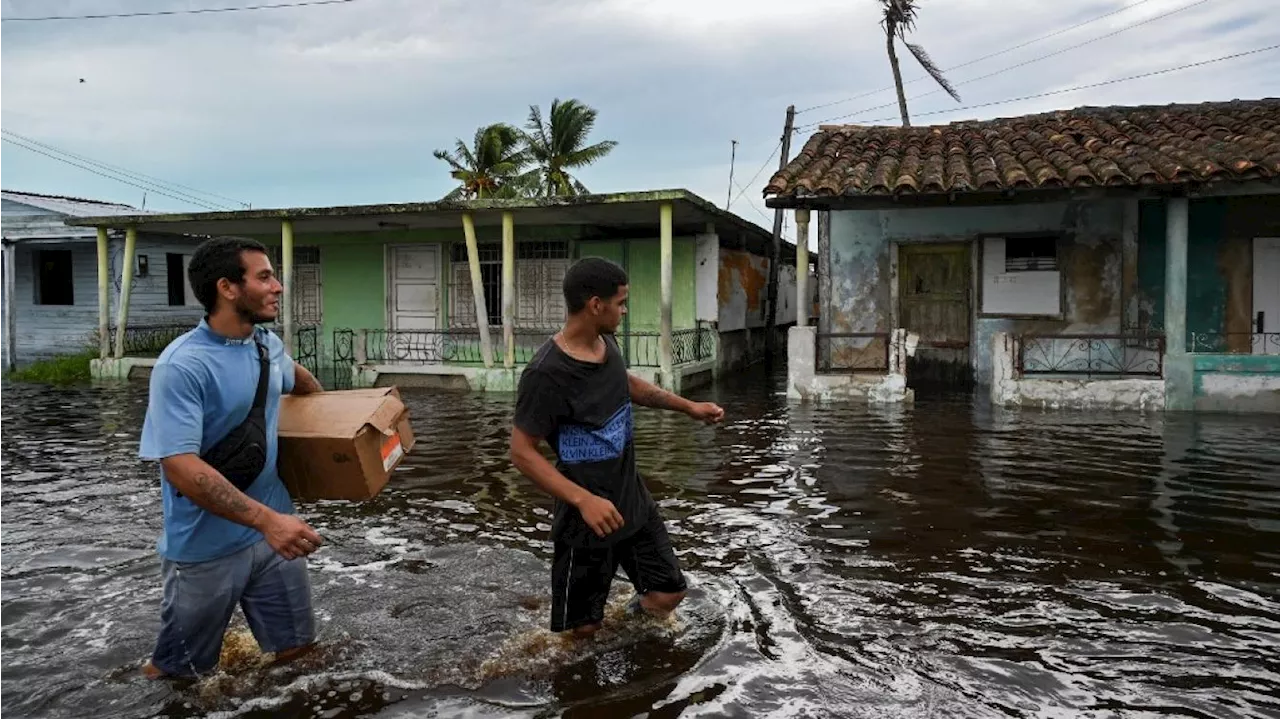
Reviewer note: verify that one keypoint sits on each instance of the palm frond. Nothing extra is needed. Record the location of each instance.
(930, 67)
(589, 155)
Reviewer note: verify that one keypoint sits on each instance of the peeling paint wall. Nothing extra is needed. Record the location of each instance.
(1090, 260)
(742, 290)
(1010, 390)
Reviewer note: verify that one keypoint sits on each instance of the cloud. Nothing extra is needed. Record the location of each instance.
(344, 104)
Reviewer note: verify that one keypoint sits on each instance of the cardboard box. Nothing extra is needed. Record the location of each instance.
(342, 444)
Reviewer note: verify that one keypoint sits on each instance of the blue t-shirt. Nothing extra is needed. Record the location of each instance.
(201, 388)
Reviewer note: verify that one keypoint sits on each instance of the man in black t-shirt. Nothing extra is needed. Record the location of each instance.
(577, 395)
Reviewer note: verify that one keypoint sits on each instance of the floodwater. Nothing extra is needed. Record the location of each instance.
(946, 560)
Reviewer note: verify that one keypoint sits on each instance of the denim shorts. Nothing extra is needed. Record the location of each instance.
(199, 598)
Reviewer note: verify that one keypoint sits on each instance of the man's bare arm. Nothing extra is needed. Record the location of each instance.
(304, 382)
(206, 486)
(648, 394)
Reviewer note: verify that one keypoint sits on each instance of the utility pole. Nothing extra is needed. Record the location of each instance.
(733, 155)
(770, 338)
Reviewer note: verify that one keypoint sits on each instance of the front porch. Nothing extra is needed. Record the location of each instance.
(462, 294)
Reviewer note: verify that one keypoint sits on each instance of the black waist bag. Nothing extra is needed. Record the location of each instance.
(242, 454)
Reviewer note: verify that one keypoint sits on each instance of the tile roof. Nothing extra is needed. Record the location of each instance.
(1085, 147)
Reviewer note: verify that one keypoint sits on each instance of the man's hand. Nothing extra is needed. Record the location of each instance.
(707, 412)
(600, 514)
(289, 536)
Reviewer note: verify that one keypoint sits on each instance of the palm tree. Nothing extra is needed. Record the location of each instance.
(491, 167)
(900, 18)
(559, 145)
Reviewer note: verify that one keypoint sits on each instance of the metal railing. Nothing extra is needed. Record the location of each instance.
(842, 352)
(695, 345)
(1236, 343)
(461, 345)
(1090, 355)
(144, 340)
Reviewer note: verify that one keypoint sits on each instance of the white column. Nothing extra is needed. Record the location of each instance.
(509, 289)
(802, 267)
(104, 295)
(126, 288)
(477, 288)
(286, 278)
(665, 244)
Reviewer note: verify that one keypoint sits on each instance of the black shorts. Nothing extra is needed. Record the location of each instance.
(581, 576)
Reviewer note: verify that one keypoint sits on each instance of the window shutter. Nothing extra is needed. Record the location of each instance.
(462, 305)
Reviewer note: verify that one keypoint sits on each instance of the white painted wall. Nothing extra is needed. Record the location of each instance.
(1017, 293)
(706, 277)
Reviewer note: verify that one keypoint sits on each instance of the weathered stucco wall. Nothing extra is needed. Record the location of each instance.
(1090, 259)
(1010, 390)
(804, 383)
(1236, 383)
(742, 289)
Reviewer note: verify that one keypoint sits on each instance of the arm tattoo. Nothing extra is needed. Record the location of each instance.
(649, 395)
(219, 496)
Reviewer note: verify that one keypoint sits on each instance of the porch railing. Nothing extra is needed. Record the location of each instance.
(461, 345)
(144, 340)
(1089, 356)
(1236, 343)
(842, 352)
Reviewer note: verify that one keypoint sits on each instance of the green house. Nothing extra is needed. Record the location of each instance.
(417, 293)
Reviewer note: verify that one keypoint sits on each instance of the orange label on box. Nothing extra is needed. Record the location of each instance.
(392, 451)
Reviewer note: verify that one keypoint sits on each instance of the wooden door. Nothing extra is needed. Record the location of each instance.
(934, 287)
(413, 295)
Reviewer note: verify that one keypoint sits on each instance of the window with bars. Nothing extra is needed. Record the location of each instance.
(539, 275)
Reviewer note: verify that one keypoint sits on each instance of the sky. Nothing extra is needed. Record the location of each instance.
(344, 103)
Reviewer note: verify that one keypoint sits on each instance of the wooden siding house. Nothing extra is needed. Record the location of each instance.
(51, 279)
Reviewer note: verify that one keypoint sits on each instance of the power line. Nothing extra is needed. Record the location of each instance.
(753, 177)
(109, 177)
(975, 61)
(193, 11)
(1017, 66)
(1090, 85)
(160, 182)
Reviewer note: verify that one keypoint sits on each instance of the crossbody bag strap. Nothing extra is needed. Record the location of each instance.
(264, 373)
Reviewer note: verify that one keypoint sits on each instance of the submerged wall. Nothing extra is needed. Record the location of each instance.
(864, 266)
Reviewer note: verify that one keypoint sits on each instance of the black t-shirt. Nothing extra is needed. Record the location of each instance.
(583, 410)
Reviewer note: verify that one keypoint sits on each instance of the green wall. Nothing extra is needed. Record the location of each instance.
(1206, 285)
(643, 265)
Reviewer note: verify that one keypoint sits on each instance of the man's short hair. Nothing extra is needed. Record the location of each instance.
(215, 259)
(591, 277)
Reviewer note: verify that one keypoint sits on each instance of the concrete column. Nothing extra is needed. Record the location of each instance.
(665, 360)
(10, 321)
(477, 288)
(802, 268)
(1177, 369)
(104, 295)
(126, 287)
(509, 289)
(286, 278)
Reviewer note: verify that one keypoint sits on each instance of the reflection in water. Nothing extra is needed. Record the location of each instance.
(948, 559)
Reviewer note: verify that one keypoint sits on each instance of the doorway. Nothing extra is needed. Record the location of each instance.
(934, 290)
(413, 296)
(1266, 296)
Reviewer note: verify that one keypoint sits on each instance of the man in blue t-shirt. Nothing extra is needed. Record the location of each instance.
(223, 546)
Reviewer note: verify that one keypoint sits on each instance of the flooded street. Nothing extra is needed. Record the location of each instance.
(944, 560)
